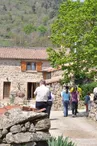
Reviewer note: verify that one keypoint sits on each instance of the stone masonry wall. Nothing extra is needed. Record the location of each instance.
(56, 89)
(93, 111)
(57, 73)
(18, 127)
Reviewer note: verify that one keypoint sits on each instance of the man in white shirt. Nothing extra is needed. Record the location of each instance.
(42, 93)
(95, 93)
(95, 90)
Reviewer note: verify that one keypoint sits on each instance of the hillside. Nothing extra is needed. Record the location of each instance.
(27, 22)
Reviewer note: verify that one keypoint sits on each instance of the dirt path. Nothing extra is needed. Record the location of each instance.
(80, 129)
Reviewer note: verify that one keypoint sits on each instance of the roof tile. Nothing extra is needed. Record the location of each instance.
(22, 53)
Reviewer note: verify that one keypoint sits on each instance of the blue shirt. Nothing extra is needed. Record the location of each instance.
(65, 96)
(87, 99)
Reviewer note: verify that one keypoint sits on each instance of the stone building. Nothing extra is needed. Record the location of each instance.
(21, 70)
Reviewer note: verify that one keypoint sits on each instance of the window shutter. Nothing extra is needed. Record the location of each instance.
(38, 66)
(23, 66)
(44, 75)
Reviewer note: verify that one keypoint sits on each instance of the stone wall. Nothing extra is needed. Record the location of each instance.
(56, 89)
(93, 111)
(56, 73)
(24, 127)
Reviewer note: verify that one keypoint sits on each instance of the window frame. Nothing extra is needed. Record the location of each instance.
(31, 66)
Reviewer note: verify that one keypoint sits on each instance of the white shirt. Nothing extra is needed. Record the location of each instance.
(42, 93)
(95, 90)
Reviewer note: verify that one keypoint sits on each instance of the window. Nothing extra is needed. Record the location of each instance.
(28, 66)
(47, 75)
(31, 66)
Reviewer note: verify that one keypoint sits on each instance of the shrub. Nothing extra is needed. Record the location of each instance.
(88, 88)
(60, 142)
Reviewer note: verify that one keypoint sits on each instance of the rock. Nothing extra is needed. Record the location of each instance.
(4, 132)
(23, 129)
(5, 145)
(0, 133)
(17, 116)
(4, 140)
(32, 128)
(41, 136)
(42, 125)
(96, 116)
(9, 138)
(26, 137)
(15, 129)
(27, 125)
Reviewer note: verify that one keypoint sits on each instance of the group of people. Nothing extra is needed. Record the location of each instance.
(70, 97)
(44, 97)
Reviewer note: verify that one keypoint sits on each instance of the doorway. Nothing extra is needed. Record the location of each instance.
(30, 90)
(6, 89)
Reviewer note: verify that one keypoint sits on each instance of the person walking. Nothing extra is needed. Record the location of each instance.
(79, 91)
(74, 101)
(42, 93)
(65, 98)
(87, 101)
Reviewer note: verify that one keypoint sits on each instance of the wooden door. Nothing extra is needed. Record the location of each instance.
(6, 89)
(30, 90)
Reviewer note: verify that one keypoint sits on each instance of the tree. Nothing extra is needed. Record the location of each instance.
(75, 28)
(42, 29)
(29, 28)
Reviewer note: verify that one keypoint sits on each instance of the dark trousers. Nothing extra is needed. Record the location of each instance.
(74, 108)
(40, 105)
(49, 105)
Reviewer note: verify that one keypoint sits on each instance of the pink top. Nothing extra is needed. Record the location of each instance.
(74, 96)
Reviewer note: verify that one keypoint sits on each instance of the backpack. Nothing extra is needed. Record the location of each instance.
(49, 97)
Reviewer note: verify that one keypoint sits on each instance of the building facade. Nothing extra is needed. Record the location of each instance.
(22, 69)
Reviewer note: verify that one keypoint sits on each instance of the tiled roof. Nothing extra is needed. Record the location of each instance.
(22, 53)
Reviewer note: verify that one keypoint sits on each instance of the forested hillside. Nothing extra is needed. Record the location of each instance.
(27, 22)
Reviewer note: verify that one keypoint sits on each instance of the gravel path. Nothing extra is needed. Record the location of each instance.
(81, 130)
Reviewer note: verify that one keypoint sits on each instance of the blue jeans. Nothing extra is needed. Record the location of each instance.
(66, 103)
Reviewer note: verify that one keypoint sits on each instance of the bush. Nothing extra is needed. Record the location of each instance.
(88, 88)
(60, 142)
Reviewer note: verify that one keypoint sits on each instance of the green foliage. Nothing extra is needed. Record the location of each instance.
(29, 28)
(17, 16)
(60, 142)
(74, 32)
(42, 29)
(88, 88)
